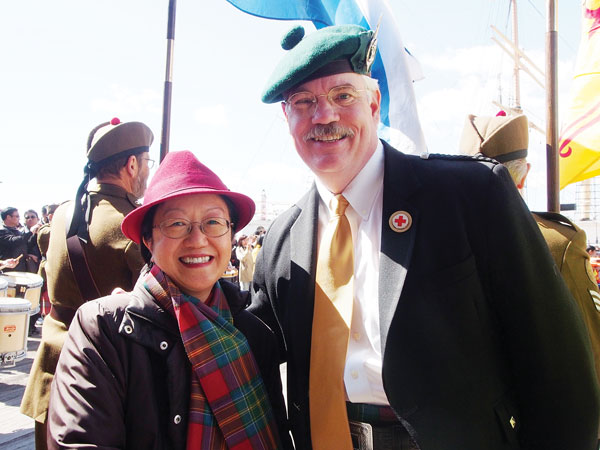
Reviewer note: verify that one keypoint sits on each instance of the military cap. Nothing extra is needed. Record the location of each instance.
(330, 50)
(115, 139)
(502, 138)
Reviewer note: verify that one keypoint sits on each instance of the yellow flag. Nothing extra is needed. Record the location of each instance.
(579, 147)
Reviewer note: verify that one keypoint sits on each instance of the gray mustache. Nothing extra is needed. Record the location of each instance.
(321, 131)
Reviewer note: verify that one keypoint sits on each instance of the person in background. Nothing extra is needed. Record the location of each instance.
(44, 219)
(14, 242)
(243, 252)
(34, 256)
(506, 139)
(416, 301)
(257, 247)
(43, 242)
(88, 255)
(177, 362)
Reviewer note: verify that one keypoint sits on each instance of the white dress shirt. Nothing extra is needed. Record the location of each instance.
(362, 374)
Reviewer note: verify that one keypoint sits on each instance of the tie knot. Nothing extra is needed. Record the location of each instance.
(338, 205)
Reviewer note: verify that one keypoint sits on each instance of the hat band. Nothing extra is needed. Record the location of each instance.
(517, 154)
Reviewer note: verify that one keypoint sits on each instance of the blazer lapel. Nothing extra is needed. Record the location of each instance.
(303, 244)
(399, 182)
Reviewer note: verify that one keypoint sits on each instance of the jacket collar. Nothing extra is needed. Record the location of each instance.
(113, 190)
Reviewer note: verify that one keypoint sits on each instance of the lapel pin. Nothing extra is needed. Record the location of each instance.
(400, 221)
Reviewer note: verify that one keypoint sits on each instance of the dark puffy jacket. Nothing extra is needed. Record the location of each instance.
(123, 377)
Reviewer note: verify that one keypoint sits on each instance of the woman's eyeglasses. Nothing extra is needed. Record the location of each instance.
(179, 228)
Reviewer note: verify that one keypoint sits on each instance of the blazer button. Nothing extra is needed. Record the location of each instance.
(164, 345)
(177, 419)
(128, 329)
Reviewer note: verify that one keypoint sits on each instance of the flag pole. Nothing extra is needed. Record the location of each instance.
(552, 109)
(166, 119)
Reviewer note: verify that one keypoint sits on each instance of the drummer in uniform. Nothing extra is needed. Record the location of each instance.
(506, 139)
(89, 239)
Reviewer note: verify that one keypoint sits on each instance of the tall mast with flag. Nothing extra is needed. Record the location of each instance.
(394, 68)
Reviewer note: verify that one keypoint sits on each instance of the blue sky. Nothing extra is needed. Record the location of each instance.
(71, 64)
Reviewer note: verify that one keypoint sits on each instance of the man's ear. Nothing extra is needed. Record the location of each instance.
(376, 104)
(132, 167)
(283, 105)
(521, 183)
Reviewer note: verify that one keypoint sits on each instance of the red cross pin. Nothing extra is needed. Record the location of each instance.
(400, 221)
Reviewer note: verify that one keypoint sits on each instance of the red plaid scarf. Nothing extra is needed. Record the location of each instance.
(229, 406)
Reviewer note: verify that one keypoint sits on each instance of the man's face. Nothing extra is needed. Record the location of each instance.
(141, 179)
(335, 142)
(12, 220)
(30, 220)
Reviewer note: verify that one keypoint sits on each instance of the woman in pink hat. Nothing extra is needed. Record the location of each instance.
(176, 363)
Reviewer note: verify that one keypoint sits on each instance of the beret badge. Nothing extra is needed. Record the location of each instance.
(372, 51)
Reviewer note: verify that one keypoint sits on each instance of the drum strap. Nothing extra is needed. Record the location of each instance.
(81, 271)
(78, 262)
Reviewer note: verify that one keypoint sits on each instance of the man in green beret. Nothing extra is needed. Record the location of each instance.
(415, 298)
(88, 255)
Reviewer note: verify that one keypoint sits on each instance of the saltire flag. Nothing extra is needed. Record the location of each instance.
(394, 67)
(579, 147)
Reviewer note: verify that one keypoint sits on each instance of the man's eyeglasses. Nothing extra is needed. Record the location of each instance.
(150, 162)
(306, 102)
(179, 228)
(30, 217)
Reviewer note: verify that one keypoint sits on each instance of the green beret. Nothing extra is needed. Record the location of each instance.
(330, 50)
(113, 139)
(502, 138)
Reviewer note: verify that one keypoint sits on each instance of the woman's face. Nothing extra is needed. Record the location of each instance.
(196, 261)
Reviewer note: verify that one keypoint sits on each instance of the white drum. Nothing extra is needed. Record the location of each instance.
(3, 287)
(25, 285)
(14, 325)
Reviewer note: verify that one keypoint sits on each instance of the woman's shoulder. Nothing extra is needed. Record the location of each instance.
(244, 321)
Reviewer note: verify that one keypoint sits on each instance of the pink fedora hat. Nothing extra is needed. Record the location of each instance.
(180, 173)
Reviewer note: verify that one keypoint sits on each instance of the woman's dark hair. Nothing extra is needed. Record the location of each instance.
(146, 232)
(147, 224)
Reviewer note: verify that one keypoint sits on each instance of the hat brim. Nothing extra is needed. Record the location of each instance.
(244, 205)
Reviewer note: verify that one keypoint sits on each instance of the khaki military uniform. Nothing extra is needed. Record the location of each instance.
(567, 243)
(43, 241)
(114, 261)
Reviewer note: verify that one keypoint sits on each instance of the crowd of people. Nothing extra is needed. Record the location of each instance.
(417, 301)
(23, 246)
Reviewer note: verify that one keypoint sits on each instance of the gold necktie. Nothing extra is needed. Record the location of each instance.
(330, 331)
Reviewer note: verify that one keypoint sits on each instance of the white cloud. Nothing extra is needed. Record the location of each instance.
(215, 115)
(128, 102)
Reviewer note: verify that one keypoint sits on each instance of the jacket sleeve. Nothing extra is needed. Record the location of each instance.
(87, 395)
(543, 333)
(9, 240)
(261, 305)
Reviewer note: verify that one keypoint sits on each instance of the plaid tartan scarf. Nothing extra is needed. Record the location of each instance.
(229, 406)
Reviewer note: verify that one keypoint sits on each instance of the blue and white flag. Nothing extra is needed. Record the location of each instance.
(394, 67)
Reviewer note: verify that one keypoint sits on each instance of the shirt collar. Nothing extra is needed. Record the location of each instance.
(363, 189)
